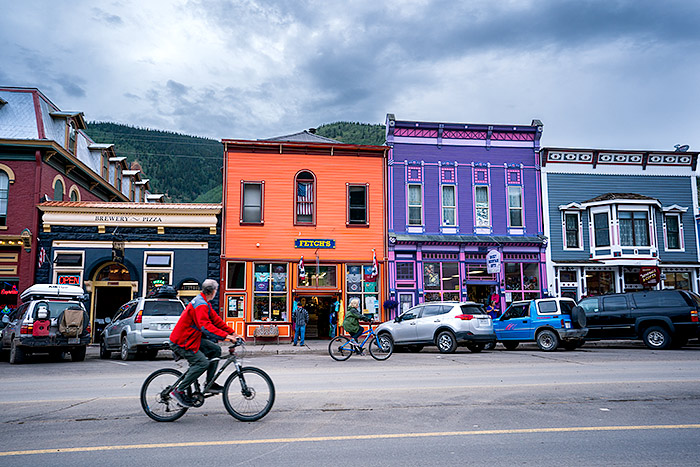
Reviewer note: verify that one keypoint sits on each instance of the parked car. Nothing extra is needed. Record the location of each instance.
(444, 324)
(547, 321)
(34, 326)
(661, 318)
(143, 325)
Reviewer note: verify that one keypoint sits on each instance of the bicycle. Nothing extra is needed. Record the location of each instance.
(251, 402)
(380, 347)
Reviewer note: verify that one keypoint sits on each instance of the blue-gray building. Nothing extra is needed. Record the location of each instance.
(619, 221)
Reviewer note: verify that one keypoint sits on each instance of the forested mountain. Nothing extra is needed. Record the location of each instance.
(188, 168)
(181, 166)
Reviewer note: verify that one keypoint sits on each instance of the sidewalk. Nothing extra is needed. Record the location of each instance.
(311, 346)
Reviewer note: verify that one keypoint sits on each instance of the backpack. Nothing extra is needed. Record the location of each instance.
(70, 324)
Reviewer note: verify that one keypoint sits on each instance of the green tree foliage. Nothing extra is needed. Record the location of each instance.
(353, 132)
(181, 166)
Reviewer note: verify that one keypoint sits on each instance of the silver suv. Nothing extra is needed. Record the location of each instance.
(142, 326)
(444, 324)
(33, 326)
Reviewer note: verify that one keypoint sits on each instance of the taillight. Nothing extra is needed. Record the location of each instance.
(138, 318)
(694, 316)
(26, 329)
(88, 329)
(465, 317)
(563, 322)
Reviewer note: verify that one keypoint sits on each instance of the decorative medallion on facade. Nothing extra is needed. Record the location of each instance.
(570, 156)
(617, 158)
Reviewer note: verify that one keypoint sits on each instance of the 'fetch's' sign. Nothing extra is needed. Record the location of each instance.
(313, 243)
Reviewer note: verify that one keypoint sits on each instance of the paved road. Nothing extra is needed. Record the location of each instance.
(617, 405)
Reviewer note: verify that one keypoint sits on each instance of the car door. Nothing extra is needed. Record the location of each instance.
(14, 318)
(430, 318)
(591, 306)
(515, 324)
(405, 329)
(615, 318)
(113, 331)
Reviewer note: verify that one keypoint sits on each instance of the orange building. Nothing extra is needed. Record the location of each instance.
(300, 200)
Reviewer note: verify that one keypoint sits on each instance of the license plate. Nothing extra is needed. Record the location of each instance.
(165, 327)
(483, 321)
(74, 340)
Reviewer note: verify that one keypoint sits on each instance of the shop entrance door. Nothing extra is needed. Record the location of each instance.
(106, 301)
(479, 293)
(319, 308)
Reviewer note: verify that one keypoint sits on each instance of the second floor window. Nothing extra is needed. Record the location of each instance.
(449, 205)
(58, 191)
(515, 206)
(673, 232)
(4, 190)
(357, 204)
(571, 226)
(482, 206)
(304, 198)
(634, 228)
(602, 229)
(415, 205)
(251, 211)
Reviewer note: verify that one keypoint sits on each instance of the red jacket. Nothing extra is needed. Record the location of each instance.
(198, 320)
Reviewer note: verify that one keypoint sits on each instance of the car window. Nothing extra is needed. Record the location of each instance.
(567, 306)
(695, 298)
(658, 299)
(589, 305)
(162, 308)
(472, 310)
(129, 311)
(431, 310)
(547, 306)
(54, 308)
(614, 303)
(516, 311)
(411, 314)
(19, 312)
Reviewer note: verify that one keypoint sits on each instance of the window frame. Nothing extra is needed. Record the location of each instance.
(245, 276)
(418, 206)
(348, 221)
(56, 180)
(314, 194)
(453, 207)
(105, 166)
(270, 293)
(74, 189)
(516, 208)
(5, 194)
(579, 231)
(594, 229)
(75, 269)
(488, 207)
(261, 183)
(620, 210)
(681, 243)
(157, 269)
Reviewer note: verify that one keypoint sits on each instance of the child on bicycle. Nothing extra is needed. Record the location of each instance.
(351, 323)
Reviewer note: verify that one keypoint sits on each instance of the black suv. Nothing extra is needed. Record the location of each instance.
(661, 318)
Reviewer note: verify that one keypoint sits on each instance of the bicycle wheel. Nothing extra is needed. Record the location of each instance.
(155, 396)
(250, 397)
(339, 348)
(381, 347)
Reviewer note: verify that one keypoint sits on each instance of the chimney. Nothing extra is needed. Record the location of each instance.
(312, 131)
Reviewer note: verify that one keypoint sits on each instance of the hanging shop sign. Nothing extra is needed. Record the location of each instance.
(313, 243)
(493, 262)
(649, 275)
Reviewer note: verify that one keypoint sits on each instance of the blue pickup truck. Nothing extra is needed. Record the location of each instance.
(550, 322)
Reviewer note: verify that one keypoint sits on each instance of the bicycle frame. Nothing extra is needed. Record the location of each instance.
(369, 334)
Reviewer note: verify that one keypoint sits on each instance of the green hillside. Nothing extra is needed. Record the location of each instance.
(188, 168)
(181, 166)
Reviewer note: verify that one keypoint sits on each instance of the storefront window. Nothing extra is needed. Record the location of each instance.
(363, 285)
(235, 306)
(235, 277)
(113, 272)
(8, 296)
(323, 276)
(443, 279)
(632, 279)
(599, 282)
(677, 280)
(270, 296)
(156, 279)
(522, 281)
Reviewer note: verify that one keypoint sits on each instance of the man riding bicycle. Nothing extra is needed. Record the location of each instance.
(192, 339)
(351, 323)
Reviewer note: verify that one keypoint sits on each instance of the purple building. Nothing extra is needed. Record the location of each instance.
(457, 193)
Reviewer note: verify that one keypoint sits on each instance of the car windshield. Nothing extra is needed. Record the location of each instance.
(695, 297)
(54, 308)
(162, 308)
(472, 310)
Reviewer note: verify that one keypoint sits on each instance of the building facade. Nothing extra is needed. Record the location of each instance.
(118, 251)
(619, 221)
(457, 193)
(304, 220)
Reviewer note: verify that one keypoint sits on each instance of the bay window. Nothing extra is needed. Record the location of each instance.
(634, 228)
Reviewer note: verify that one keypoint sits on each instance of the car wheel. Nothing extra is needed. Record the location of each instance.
(415, 348)
(476, 348)
(657, 338)
(16, 353)
(124, 352)
(104, 353)
(510, 345)
(446, 342)
(78, 354)
(547, 340)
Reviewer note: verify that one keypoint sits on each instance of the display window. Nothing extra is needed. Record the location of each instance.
(441, 281)
(361, 283)
(270, 295)
(522, 281)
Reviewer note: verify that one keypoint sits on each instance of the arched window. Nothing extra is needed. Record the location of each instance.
(4, 190)
(58, 190)
(304, 212)
(74, 193)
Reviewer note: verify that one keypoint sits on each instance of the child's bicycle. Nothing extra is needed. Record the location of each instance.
(248, 392)
(380, 347)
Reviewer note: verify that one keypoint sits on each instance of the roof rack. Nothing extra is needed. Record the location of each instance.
(54, 291)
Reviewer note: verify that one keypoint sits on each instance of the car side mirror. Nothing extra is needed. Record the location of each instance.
(5, 319)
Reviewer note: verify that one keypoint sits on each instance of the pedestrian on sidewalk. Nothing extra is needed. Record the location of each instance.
(302, 319)
(334, 318)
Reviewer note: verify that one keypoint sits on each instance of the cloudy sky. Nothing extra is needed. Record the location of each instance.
(606, 74)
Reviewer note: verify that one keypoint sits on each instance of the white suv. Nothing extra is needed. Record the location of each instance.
(444, 324)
